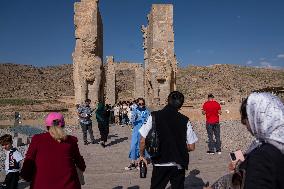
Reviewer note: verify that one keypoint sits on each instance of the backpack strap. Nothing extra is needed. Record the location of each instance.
(153, 120)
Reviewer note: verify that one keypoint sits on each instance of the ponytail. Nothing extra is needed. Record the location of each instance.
(57, 133)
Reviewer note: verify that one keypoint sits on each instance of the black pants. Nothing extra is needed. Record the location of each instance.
(120, 119)
(104, 130)
(213, 129)
(11, 180)
(85, 128)
(162, 175)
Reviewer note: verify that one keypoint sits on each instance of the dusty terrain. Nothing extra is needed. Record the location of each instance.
(35, 91)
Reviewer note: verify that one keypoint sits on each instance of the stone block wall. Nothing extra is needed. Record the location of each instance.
(124, 81)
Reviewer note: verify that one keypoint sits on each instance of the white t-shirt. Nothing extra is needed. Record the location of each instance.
(116, 110)
(190, 138)
(17, 156)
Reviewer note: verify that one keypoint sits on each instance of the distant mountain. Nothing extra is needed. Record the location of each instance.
(230, 82)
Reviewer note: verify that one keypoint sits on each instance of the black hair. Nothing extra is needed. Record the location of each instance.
(88, 100)
(176, 99)
(210, 96)
(243, 110)
(138, 99)
(6, 139)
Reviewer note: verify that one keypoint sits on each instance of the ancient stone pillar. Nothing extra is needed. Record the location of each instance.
(159, 56)
(87, 56)
(110, 81)
(139, 82)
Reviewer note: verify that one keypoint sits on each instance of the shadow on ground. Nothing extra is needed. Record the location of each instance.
(192, 181)
(112, 136)
(116, 141)
(131, 187)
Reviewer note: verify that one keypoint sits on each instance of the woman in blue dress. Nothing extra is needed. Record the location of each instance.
(138, 117)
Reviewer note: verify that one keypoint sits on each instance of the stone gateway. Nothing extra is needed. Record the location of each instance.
(98, 82)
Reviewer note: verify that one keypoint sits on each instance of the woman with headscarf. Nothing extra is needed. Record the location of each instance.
(52, 158)
(263, 167)
(102, 117)
(138, 117)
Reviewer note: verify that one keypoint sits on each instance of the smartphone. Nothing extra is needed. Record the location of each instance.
(236, 156)
(233, 156)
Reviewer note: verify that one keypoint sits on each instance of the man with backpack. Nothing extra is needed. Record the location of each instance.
(176, 138)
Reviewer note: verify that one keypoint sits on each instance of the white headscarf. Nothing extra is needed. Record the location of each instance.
(266, 119)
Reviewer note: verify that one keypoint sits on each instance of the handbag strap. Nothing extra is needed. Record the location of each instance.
(153, 121)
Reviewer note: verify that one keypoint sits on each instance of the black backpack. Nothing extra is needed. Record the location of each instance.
(152, 142)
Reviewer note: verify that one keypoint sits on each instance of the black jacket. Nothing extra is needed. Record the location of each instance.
(264, 168)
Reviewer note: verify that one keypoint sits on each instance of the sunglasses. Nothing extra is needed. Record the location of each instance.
(141, 104)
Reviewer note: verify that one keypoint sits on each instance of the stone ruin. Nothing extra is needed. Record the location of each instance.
(114, 70)
(99, 82)
(88, 54)
(159, 56)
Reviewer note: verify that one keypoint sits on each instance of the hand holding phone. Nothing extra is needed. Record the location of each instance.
(236, 156)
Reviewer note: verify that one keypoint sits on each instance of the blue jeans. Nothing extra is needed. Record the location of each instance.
(213, 129)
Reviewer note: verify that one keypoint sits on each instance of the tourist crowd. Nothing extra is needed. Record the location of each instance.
(164, 138)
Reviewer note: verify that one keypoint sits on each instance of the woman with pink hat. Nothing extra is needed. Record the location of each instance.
(52, 158)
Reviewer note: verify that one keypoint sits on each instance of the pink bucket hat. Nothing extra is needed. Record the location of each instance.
(54, 118)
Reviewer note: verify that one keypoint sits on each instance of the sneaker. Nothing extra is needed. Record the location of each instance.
(85, 143)
(210, 152)
(131, 166)
(93, 142)
(218, 152)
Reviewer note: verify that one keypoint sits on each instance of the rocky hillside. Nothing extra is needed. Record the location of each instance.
(228, 82)
(225, 81)
(24, 81)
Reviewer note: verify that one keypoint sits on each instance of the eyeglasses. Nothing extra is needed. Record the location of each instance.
(141, 104)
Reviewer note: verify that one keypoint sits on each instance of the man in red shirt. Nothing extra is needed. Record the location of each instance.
(212, 110)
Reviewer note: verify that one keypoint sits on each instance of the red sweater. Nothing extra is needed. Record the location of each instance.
(52, 165)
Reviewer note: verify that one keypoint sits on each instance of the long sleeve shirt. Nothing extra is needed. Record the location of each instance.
(50, 164)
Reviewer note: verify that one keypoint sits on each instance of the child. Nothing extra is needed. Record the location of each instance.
(12, 162)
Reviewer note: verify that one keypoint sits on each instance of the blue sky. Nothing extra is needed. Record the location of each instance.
(244, 32)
